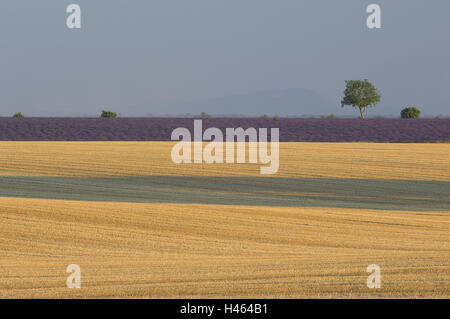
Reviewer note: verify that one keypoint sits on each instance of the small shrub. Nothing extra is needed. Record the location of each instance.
(103, 138)
(18, 114)
(331, 116)
(265, 116)
(110, 114)
(276, 118)
(204, 115)
(410, 113)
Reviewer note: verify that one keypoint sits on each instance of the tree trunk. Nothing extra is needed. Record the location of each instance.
(362, 110)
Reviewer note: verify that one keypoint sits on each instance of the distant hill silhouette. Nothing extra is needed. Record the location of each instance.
(281, 102)
(289, 102)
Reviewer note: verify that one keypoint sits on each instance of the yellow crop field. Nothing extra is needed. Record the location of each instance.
(171, 250)
(139, 225)
(340, 160)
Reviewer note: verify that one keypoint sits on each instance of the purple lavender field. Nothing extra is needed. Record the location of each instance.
(160, 129)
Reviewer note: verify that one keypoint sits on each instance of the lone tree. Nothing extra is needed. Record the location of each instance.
(18, 114)
(108, 114)
(360, 94)
(411, 112)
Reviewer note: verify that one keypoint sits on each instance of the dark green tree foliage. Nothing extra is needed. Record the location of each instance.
(205, 115)
(411, 112)
(360, 94)
(18, 114)
(108, 114)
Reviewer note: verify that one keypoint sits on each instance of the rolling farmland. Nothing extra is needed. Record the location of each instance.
(140, 226)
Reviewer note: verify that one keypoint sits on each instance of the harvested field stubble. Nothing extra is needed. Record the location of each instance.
(171, 250)
(317, 160)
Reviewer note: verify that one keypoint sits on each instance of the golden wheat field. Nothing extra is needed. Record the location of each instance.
(140, 226)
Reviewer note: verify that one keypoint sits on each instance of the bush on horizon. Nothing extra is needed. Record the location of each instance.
(331, 116)
(109, 114)
(411, 112)
(18, 114)
(204, 115)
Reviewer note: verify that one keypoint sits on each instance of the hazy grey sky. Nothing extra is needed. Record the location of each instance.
(132, 53)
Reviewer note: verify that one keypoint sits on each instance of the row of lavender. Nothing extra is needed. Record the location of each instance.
(160, 129)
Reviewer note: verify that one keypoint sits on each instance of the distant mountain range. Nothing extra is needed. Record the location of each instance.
(289, 102)
(280, 102)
